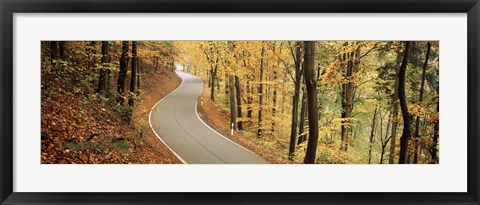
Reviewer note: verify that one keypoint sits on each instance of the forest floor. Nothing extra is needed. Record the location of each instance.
(219, 119)
(82, 130)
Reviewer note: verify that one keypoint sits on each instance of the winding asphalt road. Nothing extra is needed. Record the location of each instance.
(175, 121)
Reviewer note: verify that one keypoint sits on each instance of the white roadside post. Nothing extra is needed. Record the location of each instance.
(201, 101)
(231, 130)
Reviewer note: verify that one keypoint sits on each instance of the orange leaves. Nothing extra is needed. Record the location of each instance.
(79, 130)
(418, 109)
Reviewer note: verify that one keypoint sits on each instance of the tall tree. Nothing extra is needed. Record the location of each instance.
(239, 102)
(139, 73)
(260, 93)
(61, 49)
(434, 149)
(403, 105)
(303, 111)
(122, 73)
(385, 141)
(274, 100)
(54, 52)
(297, 56)
(133, 74)
(348, 91)
(311, 84)
(372, 134)
(395, 117)
(102, 80)
(211, 52)
(231, 87)
(420, 100)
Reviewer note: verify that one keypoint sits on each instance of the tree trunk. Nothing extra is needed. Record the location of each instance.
(102, 80)
(394, 130)
(233, 107)
(122, 73)
(384, 143)
(260, 92)
(298, 79)
(274, 101)
(139, 71)
(239, 102)
(209, 77)
(403, 105)
(395, 118)
(348, 90)
(249, 99)
(372, 134)
(61, 49)
(213, 75)
(303, 111)
(54, 52)
(420, 100)
(311, 84)
(134, 74)
(434, 149)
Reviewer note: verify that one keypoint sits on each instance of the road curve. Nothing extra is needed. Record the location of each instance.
(175, 121)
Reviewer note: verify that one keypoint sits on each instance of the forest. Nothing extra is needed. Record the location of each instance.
(325, 102)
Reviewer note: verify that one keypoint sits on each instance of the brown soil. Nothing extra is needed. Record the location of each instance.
(219, 120)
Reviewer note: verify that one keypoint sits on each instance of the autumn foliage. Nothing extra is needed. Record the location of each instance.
(358, 93)
(82, 121)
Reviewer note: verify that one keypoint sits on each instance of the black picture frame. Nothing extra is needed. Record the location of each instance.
(10, 7)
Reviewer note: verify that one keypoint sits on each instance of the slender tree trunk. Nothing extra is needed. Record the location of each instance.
(226, 87)
(212, 85)
(260, 92)
(393, 135)
(102, 80)
(434, 149)
(209, 77)
(311, 84)
(249, 99)
(348, 90)
(385, 143)
(239, 102)
(395, 117)
(274, 101)
(139, 73)
(420, 100)
(303, 111)
(213, 74)
(233, 107)
(134, 74)
(403, 105)
(122, 73)
(231, 88)
(296, 95)
(372, 134)
(61, 49)
(54, 52)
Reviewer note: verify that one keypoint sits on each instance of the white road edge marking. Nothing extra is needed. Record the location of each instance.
(158, 136)
(215, 130)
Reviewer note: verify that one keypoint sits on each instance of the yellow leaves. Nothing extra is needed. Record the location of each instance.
(434, 118)
(329, 153)
(418, 110)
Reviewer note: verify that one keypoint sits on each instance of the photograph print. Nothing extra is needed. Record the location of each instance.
(240, 102)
